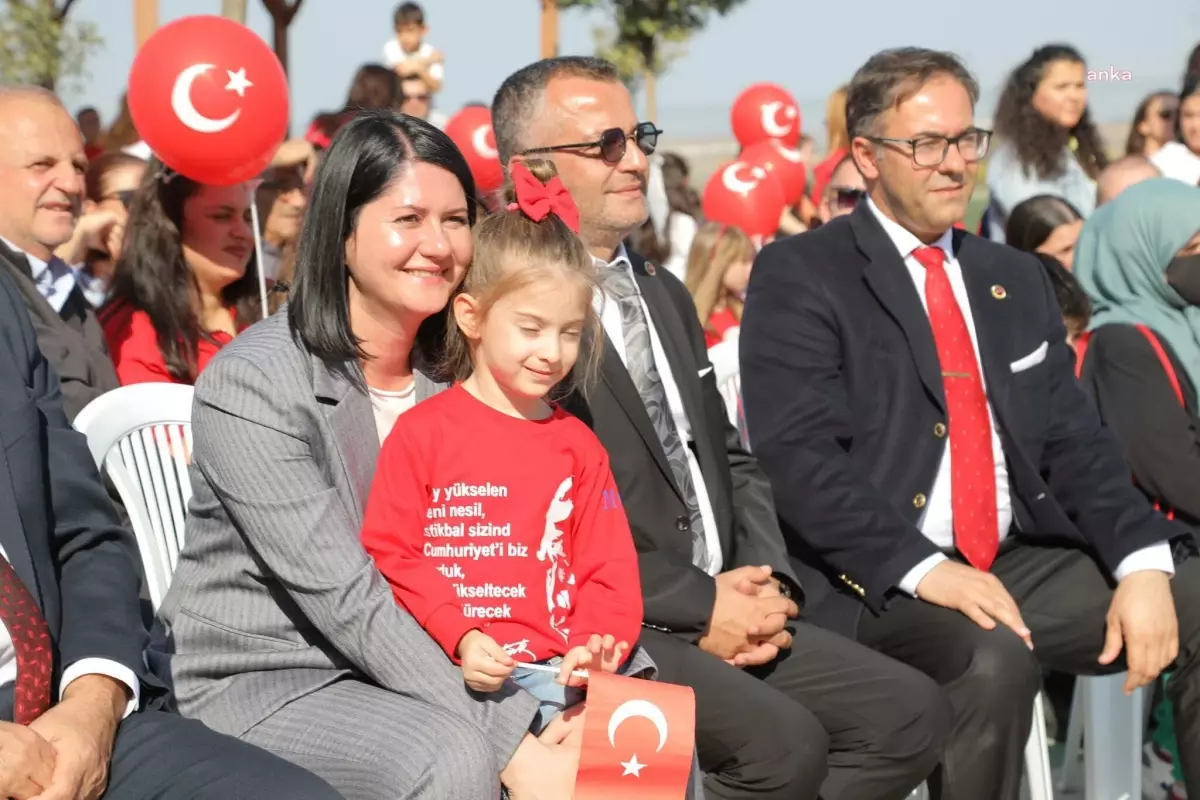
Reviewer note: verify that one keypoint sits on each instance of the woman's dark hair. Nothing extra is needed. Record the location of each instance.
(1032, 221)
(1039, 143)
(374, 87)
(1193, 64)
(153, 276)
(1135, 145)
(1073, 301)
(365, 157)
(681, 199)
(1191, 86)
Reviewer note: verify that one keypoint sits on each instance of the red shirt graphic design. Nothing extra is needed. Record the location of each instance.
(479, 520)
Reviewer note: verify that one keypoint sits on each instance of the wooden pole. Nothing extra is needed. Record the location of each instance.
(234, 10)
(145, 20)
(549, 28)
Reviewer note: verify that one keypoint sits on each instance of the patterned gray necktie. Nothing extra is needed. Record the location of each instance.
(639, 361)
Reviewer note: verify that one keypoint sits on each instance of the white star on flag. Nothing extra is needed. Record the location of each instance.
(632, 767)
(237, 82)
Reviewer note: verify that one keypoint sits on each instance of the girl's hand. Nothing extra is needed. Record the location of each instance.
(604, 652)
(485, 665)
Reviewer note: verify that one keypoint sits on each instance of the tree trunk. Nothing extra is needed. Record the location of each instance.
(234, 10)
(145, 20)
(549, 28)
(650, 88)
(282, 13)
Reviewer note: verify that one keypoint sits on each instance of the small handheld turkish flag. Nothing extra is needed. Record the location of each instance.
(638, 740)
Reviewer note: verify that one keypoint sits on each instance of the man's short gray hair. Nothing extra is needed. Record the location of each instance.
(892, 76)
(519, 98)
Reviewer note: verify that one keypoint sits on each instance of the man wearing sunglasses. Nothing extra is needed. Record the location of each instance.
(781, 712)
(843, 192)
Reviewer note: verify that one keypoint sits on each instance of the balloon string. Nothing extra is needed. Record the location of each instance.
(260, 267)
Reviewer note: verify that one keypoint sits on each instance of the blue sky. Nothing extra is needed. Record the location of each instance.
(808, 47)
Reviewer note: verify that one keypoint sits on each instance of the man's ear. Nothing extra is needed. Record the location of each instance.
(466, 315)
(866, 157)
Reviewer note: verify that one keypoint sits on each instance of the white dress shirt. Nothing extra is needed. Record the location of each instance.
(937, 519)
(55, 279)
(610, 319)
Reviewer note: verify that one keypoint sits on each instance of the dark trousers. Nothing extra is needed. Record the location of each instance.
(161, 756)
(991, 677)
(828, 718)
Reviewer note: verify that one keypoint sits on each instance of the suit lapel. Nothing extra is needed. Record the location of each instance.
(980, 274)
(890, 281)
(352, 423)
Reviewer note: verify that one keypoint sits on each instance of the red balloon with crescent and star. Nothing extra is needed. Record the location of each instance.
(210, 99)
(471, 130)
(746, 196)
(784, 162)
(766, 111)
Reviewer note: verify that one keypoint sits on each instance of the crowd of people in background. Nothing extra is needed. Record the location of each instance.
(157, 275)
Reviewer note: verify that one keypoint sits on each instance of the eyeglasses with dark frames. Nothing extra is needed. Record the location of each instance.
(612, 143)
(124, 197)
(931, 151)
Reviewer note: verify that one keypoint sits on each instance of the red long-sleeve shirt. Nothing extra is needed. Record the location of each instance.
(480, 520)
(133, 345)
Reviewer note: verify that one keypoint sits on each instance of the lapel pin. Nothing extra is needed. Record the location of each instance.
(650, 270)
(999, 292)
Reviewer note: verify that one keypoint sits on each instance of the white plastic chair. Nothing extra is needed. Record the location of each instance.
(141, 436)
(727, 372)
(1104, 737)
(1037, 760)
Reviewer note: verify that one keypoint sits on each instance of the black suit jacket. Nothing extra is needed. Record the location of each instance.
(846, 410)
(678, 597)
(57, 526)
(72, 339)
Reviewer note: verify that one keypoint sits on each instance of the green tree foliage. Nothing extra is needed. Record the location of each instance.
(41, 46)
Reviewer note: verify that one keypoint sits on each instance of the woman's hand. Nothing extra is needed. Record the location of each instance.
(485, 665)
(604, 652)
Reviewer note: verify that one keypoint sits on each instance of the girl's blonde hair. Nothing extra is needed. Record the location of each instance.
(715, 248)
(513, 252)
(836, 134)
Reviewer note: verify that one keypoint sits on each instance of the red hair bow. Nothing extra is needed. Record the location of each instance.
(536, 199)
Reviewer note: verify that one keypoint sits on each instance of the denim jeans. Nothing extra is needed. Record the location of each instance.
(552, 696)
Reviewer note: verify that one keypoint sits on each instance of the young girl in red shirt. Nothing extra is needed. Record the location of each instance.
(494, 514)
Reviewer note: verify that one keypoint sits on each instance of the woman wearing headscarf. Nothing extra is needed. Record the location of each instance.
(1138, 258)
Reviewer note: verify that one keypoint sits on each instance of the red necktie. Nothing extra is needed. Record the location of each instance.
(972, 464)
(31, 640)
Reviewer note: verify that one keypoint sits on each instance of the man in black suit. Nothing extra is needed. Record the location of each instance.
(869, 345)
(74, 690)
(780, 713)
(42, 165)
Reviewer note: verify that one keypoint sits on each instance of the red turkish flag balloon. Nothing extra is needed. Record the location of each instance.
(766, 111)
(784, 162)
(639, 738)
(746, 196)
(210, 99)
(471, 130)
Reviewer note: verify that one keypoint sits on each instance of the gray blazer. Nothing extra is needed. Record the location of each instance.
(274, 596)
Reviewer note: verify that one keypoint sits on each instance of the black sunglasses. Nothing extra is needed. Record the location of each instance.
(848, 198)
(611, 143)
(1166, 113)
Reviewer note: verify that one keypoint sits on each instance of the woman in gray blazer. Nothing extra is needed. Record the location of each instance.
(281, 630)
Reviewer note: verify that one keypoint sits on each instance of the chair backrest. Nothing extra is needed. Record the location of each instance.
(141, 437)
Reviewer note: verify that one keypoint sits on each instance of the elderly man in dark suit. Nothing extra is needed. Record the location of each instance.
(947, 491)
(41, 191)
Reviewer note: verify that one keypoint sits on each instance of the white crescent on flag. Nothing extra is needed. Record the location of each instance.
(770, 118)
(181, 99)
(729, 177)
(790, 153)
(479, 140)
(638, 708)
